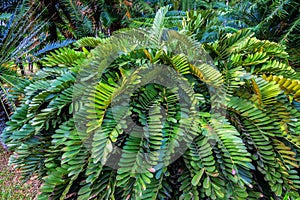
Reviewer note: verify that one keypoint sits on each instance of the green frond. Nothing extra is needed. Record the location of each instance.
(188, 190)
(63, 57)
(158, 26)
(20, 36)
(5, 16)
(89, 42)
(288, 36)
(235, 161)
(73, 13)
(291, 87)
(68, 170)
(148, 115)
(46, 104)
(276, 11)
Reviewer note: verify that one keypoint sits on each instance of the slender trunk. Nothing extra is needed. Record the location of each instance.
(20, 65)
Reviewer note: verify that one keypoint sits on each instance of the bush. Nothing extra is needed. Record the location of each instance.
(226, 131)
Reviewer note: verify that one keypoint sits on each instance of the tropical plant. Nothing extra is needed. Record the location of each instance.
(236, 120)
(277, 21)
(173, 20)
(21, 41)
(9, 5)
(18, 37)
(75, 19)
(204, 24)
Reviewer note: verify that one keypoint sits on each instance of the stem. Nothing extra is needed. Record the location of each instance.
(2, 103)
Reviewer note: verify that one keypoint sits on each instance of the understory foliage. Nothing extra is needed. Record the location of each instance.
(277, 21)
(22, 42)
(232, 126)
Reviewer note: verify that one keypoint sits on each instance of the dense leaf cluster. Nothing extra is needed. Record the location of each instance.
(241, 125)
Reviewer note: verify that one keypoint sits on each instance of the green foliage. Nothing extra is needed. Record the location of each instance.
(21, 36)
(89, 42)
(18, 38)
(9, 5)
(205, 25)
(238, 119)
(272, 20)
(260, 105)
(87, 18)
(173, 20)
(50, 95)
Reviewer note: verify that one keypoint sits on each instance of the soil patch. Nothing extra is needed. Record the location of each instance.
(11, 185)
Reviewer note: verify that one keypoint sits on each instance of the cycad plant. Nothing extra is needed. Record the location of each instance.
(75, 19)
(21, 39)
(18, 36)
(149, 115)
(277, 21)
